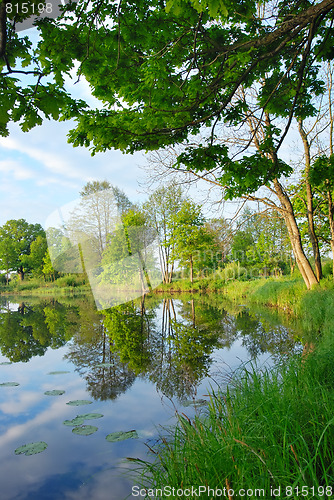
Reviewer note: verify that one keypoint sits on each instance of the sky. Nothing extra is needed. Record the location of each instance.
(40, 172)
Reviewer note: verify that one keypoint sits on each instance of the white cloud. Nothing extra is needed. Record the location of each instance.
(51, 160)
(15, 168)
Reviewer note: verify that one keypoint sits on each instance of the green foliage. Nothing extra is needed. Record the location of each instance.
(123, 258)
(322, 172)
(190, 239)
(214, 7)
(240, 177)
(48, 269)
(16, 238)
(71, 280)
(262, 243)
(35, 260)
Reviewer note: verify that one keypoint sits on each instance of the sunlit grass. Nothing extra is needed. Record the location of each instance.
(268, 430)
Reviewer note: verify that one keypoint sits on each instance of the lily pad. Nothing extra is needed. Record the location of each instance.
(60, 372)
(54, 392)
(90, 416)
(79, 402)
(9, 384)
(6, 363)
(74, 422)
(31, 449)
(84, 430)
(121, 436)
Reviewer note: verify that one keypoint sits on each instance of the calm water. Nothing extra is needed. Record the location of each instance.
(137, 364)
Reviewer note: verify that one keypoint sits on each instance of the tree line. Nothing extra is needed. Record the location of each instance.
(111, 229)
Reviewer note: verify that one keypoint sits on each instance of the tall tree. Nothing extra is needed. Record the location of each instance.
(189, 238)
(16, 237)
(128, 258)
(35, 260)
(161, 208)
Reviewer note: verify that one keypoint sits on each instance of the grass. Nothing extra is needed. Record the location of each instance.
(37, 286)
(273, 429)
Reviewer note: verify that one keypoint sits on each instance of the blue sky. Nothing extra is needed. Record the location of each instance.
(40, 171)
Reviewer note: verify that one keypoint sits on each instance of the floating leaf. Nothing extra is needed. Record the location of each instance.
(90, 416)
(74, 422)
(9, 384)
(84, 430)
(79, 402)
(121, 436)
(58, 373)
(31, 449)
(55, 392)
(6, 363)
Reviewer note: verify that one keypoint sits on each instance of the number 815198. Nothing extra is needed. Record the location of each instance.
(24, 8)
(304, 491)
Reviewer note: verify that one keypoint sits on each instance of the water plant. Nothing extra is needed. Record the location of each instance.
(91, 416)
(74, 422)
(79, 402)
(84, 430)
(31, 448)
(113, 437)
(59, 372)
(9, 384)
(54, 392)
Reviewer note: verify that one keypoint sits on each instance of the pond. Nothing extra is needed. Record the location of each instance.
(125, 371)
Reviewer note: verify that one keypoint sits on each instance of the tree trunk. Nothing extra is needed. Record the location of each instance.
(170, 276)
(191, 270)
(20, 272)
(312, 234)
(193, 312)
(294, 234)
(331, 223)
(309, 203)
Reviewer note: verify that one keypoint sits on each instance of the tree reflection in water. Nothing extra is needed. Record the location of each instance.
(168, 341)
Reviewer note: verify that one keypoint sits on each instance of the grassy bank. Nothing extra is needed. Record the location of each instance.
(273, 430)
(37, 286)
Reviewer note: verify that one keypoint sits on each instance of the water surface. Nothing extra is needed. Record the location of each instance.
(137, 364)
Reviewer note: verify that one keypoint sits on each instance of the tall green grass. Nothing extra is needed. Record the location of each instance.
(273, 429)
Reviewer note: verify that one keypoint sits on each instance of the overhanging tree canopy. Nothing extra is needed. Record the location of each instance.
(164, 71)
